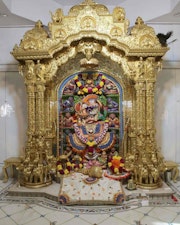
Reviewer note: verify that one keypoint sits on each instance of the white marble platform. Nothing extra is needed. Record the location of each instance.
(52, 191)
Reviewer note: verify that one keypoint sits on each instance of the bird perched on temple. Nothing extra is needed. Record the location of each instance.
(164, 37)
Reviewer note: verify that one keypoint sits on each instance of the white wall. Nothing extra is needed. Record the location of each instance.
(167, 113)
(13, 127)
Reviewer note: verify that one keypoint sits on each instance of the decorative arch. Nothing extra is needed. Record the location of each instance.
(66, 103)
(91, 39)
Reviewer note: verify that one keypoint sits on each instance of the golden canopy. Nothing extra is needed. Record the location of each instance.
(90, 38)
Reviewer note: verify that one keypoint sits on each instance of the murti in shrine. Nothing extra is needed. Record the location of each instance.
(90, 83)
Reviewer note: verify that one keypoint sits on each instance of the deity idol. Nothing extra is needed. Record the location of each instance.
(91, 135)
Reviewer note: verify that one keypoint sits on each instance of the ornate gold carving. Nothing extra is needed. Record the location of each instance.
(33, 39)
(89, 36)
(116, 31)
(118, 15)
(57, 17)
(88, 22)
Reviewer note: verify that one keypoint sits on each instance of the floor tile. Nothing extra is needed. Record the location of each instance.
(39, 221)
(75, 221)
(61, 217)
(162, 214)
(25, 216)
(130, 216)
(114, 221)
(94, 218)
(7, 221)
(13, 208)
(2, 214)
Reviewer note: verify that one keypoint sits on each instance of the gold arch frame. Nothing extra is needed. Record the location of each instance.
(89, 37)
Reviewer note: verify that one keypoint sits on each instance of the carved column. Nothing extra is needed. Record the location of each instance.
(132, 135)
(47, 106)
(150, 138)
(31, 108)
(29, 75)
(150, 83)
(140, 113)
(40, 128)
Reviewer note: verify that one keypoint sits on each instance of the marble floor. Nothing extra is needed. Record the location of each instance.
(18, 212)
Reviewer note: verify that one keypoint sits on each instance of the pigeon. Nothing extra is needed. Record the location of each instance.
(164, 37)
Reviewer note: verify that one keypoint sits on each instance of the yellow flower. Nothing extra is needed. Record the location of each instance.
(85, 90)
(103, 77)
(95, 89)
(100, 93)
(59, 167)
(80, 92)
(76, 77)
(80, 165)
(79, 84)
(91, 143)
(116, 170)
(66, 171)
(109, 164)
(117, 157)
(101, 83)
(89, 81)
(68, 164)
(121, 164)
(73, 165)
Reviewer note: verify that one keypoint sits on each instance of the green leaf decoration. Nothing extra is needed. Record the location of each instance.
(103, 100)
(77, 99)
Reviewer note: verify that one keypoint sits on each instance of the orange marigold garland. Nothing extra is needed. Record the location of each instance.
(116, 164)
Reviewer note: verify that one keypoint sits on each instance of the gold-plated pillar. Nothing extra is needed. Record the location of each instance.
(40, 108)
(31, 108)
(140, 114)
(47, 105)
(150, 126)
(132, 135)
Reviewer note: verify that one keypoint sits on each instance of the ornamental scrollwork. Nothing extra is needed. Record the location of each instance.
(33, 39)
(54, 61)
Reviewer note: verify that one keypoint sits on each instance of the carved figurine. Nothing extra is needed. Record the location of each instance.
(113, 106)
(113, 120)
(68, 120)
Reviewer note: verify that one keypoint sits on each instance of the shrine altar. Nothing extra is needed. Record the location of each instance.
(79, 189)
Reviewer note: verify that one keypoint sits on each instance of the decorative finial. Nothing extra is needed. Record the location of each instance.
(139, 21)
(88, 2)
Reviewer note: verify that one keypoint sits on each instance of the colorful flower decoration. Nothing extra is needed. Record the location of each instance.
(89, 90)
(64, 170)
(96, 140)
(77, 163)
(116, 164)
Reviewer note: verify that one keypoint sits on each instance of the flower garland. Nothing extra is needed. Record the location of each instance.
(96, 140)
(61, 170)
(116, 164)
(77, 163)
(89, 89)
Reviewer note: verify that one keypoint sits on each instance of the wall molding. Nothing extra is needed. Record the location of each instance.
(14, 67)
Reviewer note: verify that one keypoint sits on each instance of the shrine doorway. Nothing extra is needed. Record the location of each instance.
(78, 87)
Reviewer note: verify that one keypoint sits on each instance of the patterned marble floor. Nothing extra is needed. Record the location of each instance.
(13, 212)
